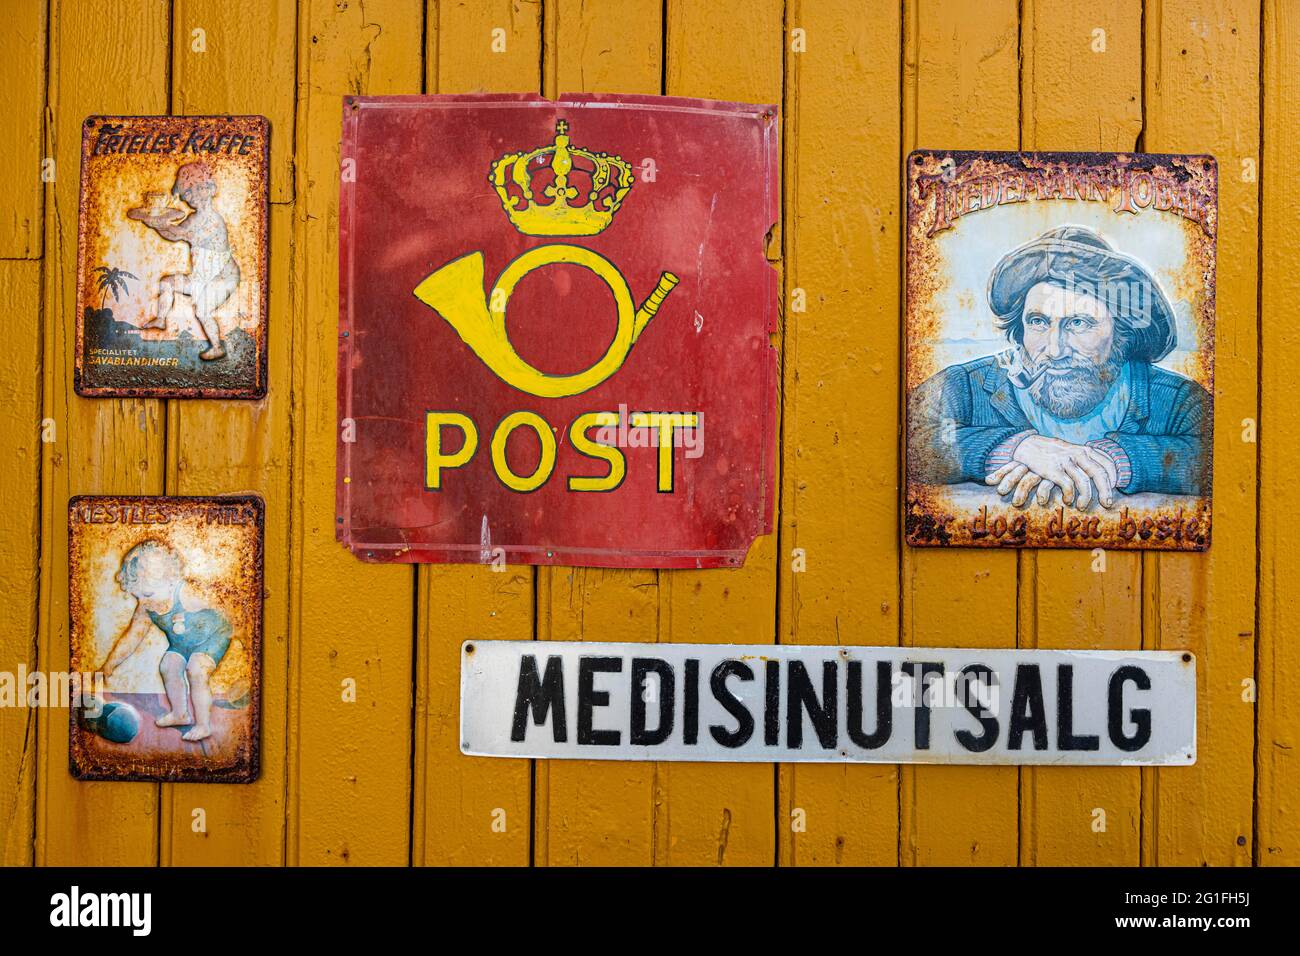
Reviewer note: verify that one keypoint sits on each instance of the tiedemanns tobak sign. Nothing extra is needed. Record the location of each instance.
(1060, 349)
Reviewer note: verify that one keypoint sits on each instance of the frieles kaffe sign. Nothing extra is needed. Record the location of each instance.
(555, 330)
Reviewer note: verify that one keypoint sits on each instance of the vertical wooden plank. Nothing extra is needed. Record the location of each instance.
(674, 814)
(105, 58)
(22, 77)
(20, 475)
(1202, 94)
(961, 90)
(22, 74)
(246, 65)
(1081, 90)
(604, 48)
(1081, 75)
(484, 46)
(471, 810)
(350, 771)
(238, 57)
(1278, 786)
(598, 813)
(840, 456)
(220, 448)
(595, 813)
(722, 814)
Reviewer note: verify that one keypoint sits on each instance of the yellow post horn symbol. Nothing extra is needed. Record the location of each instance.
(456, 292)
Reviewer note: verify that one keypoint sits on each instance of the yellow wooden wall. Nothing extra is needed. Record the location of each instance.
(381, 781)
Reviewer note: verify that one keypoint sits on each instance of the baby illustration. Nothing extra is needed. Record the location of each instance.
(197, 636)
(213, 274)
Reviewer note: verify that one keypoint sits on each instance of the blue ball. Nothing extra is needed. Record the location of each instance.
(119, 722)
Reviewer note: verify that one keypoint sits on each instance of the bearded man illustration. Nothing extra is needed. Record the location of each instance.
(1077, 403)
(214, 273)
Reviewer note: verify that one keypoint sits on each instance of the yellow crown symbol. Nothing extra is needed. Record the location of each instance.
(568, 213)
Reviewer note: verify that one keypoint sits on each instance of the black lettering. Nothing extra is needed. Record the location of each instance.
(541, 696)
(884, 706)
(691, 703)
(732, 704)
(977, 678)
(589, 699)
(772, 703)
(104, 138)
(921, 723)
(1065, 737)
(1027, 709)
(803, 697)
(641, 668)
(1115, 709)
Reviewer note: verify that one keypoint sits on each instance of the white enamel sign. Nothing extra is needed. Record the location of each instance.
(764, 703)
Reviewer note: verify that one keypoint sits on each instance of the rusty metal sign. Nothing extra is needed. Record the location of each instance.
(555, 330)
(172, 257)
(1060, 349)
(590, 700)
(166, 625)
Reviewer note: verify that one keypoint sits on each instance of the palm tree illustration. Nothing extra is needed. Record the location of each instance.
(112, 280)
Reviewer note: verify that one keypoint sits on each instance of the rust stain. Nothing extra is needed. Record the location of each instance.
(217, 543)
(141, 243)
(951, 190)
(930, 521)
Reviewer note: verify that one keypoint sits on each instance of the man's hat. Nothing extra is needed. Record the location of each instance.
(1077, 258)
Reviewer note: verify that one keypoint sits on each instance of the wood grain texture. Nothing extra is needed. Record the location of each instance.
(222, 447)
(381, 780)
(722, 815)
(239, 57)
(596, 812)
(841, 372)
(1277, 793)
(22, 77)
(961, 90)
(350, 765)
(20, 535)
(1081, 90)
(471, 810)
(104, 59)
(1202, 95)
(484, 46)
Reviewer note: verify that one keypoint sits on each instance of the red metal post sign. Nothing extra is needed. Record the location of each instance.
(555, 330)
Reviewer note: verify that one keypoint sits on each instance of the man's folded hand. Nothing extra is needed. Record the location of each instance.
(1039, 463)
